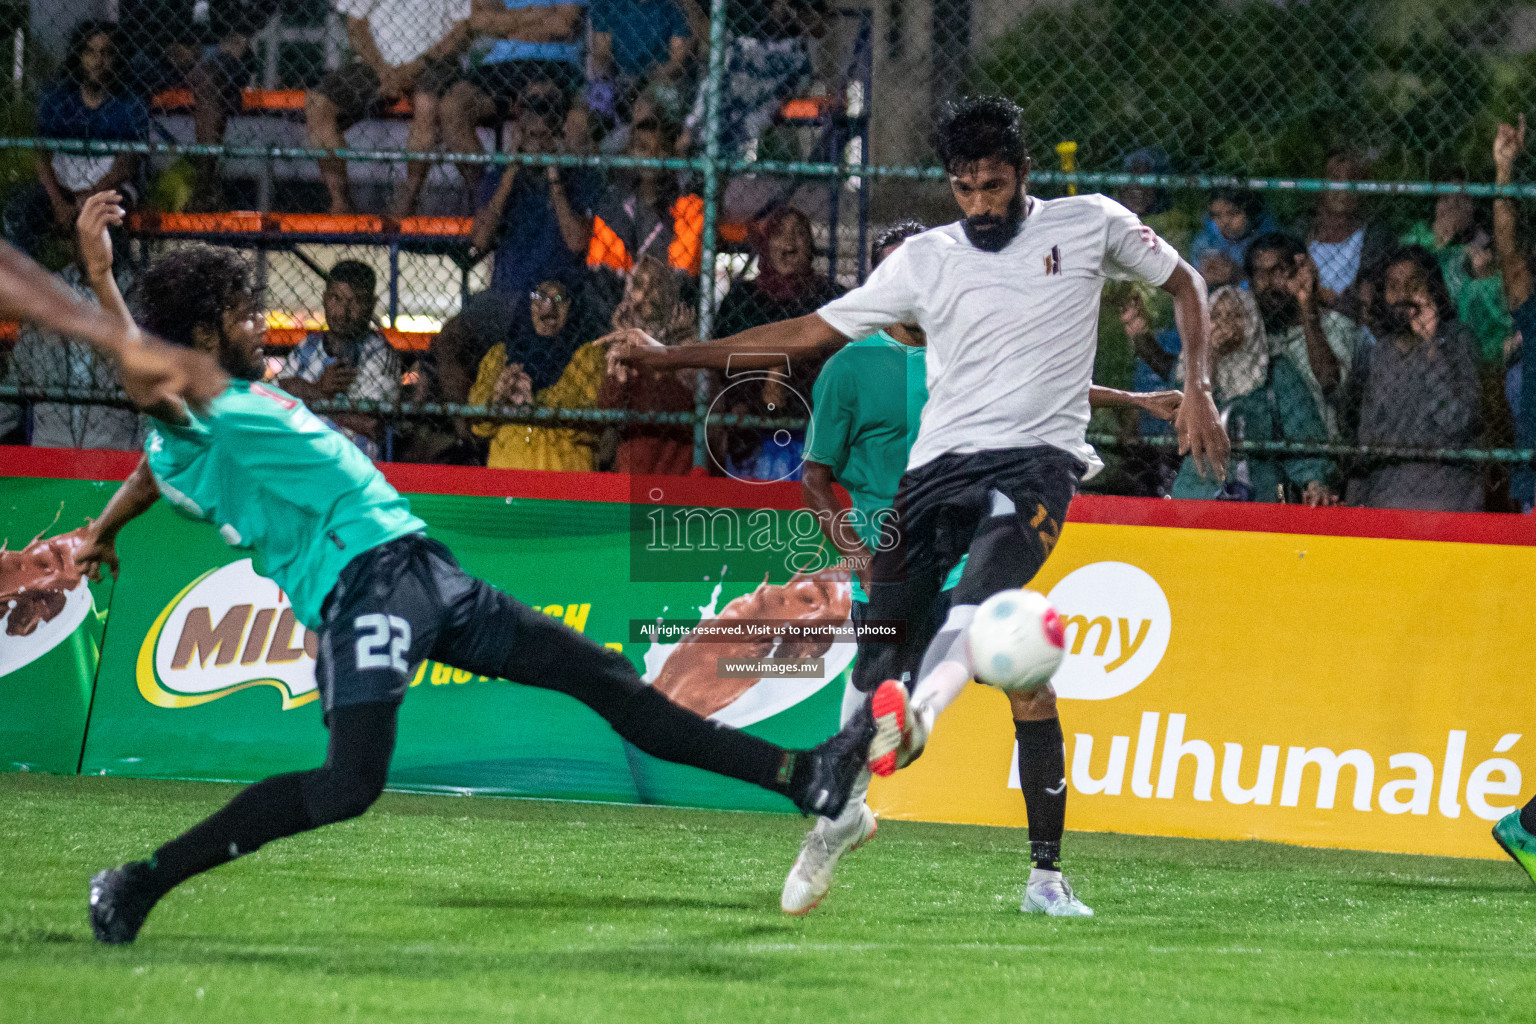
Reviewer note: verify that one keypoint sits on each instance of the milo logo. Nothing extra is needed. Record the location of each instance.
(230, 629)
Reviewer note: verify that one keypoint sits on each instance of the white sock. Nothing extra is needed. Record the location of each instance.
(1042, 875)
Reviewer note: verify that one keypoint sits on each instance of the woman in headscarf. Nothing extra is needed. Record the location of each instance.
(787, 286)
(653, 302)
(545, 363)
(1262, 397)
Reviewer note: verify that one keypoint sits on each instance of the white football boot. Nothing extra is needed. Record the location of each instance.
(811, 877)
(1050, 893)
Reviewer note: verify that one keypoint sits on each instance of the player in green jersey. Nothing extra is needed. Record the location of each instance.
(324, 524)
(866, 407)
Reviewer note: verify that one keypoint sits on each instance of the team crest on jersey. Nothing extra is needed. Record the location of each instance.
(1053, 260)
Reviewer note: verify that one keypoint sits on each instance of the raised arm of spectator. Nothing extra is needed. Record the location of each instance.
(551, 24)
(487, 223)
(1320, 356)
(1507, 145)
(575, 226)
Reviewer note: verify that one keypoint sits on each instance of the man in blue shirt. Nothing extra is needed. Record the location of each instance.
(85, 104)
(538, 220)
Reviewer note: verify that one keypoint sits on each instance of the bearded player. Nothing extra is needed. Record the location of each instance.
(1008, 299)
(360, 572)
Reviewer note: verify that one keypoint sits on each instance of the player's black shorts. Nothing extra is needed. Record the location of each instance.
(1004, 508)
(408, 599)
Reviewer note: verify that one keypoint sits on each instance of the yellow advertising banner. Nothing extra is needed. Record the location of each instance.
(1334, 691)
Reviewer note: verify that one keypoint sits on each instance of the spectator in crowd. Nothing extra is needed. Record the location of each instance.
(1520, 296)
(1346, 247)
(537, 220)
(653, 303)
(1151, 203)
(643, 211)
(349, 359)
(787, 286)
(400, 49)
(1235, 218)
(1262, 397)
(167, 52)
(767, 60)
(44, 360)
(642, 45)
(1321, 344)
(537, 55)
(1419, 388)
(545, 364)
(86, 103)
(1464, 248)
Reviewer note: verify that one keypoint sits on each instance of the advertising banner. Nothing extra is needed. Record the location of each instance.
(1229, 679)
(1333, 691)
(52, 622)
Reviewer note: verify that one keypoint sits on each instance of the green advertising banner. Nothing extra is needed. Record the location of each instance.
(203, 672)
(52, 622)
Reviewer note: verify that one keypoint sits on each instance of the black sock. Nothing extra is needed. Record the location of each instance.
(1528, 817)
(673, 733)
(268, 810)
(1043, 778)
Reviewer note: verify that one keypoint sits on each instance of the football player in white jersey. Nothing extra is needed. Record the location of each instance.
(1008, 298)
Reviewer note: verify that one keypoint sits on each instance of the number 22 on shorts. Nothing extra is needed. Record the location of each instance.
(374, 632)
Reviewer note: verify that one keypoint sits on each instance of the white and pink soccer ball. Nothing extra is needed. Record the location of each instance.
(1015, 640)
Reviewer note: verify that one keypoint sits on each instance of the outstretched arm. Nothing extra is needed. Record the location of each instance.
(759, 348)
(1198, 426)
(1162, 404)
(132, 500)
(157, 377)
(1507, 145)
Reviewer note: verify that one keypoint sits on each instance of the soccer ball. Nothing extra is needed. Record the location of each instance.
(1015, 641)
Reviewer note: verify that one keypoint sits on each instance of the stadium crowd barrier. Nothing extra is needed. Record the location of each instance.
(1339, 677)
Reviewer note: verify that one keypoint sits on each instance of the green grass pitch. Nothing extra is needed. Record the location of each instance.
(467, 910)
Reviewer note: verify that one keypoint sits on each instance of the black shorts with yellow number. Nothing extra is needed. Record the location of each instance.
(1003, 508)
(407, 600)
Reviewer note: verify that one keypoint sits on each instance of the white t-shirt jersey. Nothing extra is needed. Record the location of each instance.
(405, 29)
(1011, 334)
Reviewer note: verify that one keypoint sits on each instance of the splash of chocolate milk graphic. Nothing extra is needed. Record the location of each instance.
(35, 580)
(691, 676)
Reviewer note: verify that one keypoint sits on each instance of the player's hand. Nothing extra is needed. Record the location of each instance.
(101, 211)
(1162, 404)
(335, 379)
(1201, 435)
(627, 348)
(96, 551)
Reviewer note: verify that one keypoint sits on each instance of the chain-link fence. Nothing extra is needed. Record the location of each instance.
(697, 169)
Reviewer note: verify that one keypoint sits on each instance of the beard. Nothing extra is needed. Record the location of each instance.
(1397, 318)
(991, 234)
(1278, 310)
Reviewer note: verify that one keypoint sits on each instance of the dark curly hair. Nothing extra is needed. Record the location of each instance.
(79, 38)
(189, 287)
(977, 127)
(892, 237)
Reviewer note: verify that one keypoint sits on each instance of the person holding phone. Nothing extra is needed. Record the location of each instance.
(349, 359)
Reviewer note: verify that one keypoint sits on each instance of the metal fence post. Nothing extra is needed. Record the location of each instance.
(712, 159)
